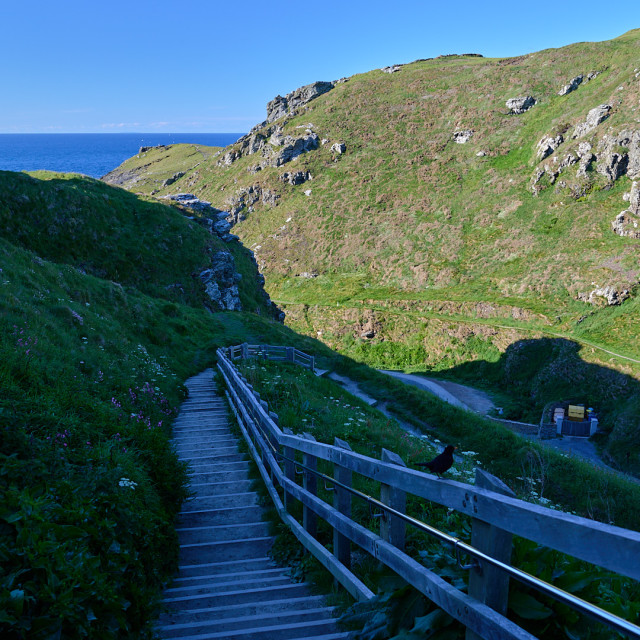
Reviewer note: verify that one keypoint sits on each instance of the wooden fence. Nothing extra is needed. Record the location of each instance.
(291, 462)
(270, 352)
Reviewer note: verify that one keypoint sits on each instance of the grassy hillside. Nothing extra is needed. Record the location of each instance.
(91, 374)
(411, 250)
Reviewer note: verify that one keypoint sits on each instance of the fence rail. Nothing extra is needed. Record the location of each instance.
(496, 513)
(271, 352)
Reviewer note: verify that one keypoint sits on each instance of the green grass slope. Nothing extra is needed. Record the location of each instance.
(441, 251)
(91, 374)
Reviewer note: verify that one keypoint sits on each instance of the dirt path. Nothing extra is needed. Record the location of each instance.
(478, 401)
(458, 395)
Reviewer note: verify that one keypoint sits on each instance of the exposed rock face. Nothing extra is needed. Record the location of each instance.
(574, 83)
(610, 294)
(517, 106)
(391, 69)
(173, 178)
(463, 136)
(627, 222)
(220, 282)
(297, 177)
(292, 147)
(594, 118)
(215, 220)
(619, 155)
(548, 145)
(586, 158)
(339, 147)
(281, 106)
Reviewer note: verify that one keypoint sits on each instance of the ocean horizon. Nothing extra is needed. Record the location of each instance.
(91, 154)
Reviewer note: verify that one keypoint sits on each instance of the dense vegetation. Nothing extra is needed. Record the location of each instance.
(441, 251)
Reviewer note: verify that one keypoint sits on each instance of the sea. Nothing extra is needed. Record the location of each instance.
(92, 154)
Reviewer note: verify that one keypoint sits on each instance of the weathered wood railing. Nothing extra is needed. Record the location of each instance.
(271, 352)
(496, 513)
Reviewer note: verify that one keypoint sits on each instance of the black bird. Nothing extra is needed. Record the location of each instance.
(441, 462)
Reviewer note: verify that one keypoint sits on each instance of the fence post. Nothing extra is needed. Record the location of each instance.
(313, 364)
(245, 350)
(392, 528)
(289, 469)
(490, 586)
(342, 502)
(310, 483)
(291, 354)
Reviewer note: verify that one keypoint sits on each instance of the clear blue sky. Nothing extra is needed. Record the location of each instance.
(212, 65)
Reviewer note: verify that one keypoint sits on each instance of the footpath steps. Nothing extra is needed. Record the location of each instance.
(227, 586)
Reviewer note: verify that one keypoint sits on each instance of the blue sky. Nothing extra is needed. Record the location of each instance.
(211, 65)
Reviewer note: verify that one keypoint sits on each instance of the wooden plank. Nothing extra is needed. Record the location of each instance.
(488, 584)
(289, 470)
(346, 578)
(310, 484)
(392, 528)
(482, 619)
(342, 502)
(579, 537)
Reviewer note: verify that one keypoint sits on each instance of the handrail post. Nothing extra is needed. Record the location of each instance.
(342, 502)
(392, 528)
(310, 483)
(289, 469)
(490, 585)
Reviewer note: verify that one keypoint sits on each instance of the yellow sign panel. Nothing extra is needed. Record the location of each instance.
(575, 412)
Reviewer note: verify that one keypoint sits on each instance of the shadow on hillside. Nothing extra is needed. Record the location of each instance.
(538, 372)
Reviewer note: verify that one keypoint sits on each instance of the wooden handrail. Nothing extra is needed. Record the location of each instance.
(604, 545)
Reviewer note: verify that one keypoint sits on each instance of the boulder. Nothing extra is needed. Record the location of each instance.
(547, 146)
(391, 69)
(594, 118)
(574, 83)
(463, 136)
(517, 106)
(339, 148)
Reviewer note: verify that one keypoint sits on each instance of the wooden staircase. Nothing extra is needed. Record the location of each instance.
(227, 586)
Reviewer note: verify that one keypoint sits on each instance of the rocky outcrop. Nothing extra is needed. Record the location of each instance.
(391, 69)
(574, 83)
(619, 155)
(517, 106)
(596, 116)
(627, 223)
(221, 282)
(548, 145)
(215, 220)
(290, 148)
(176, 176)
(586, 158)
(289, 104)
(611, 295)
(295, 178)
(338, 147)
(463, 136)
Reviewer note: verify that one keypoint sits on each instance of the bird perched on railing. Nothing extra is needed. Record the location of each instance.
(441, 462)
